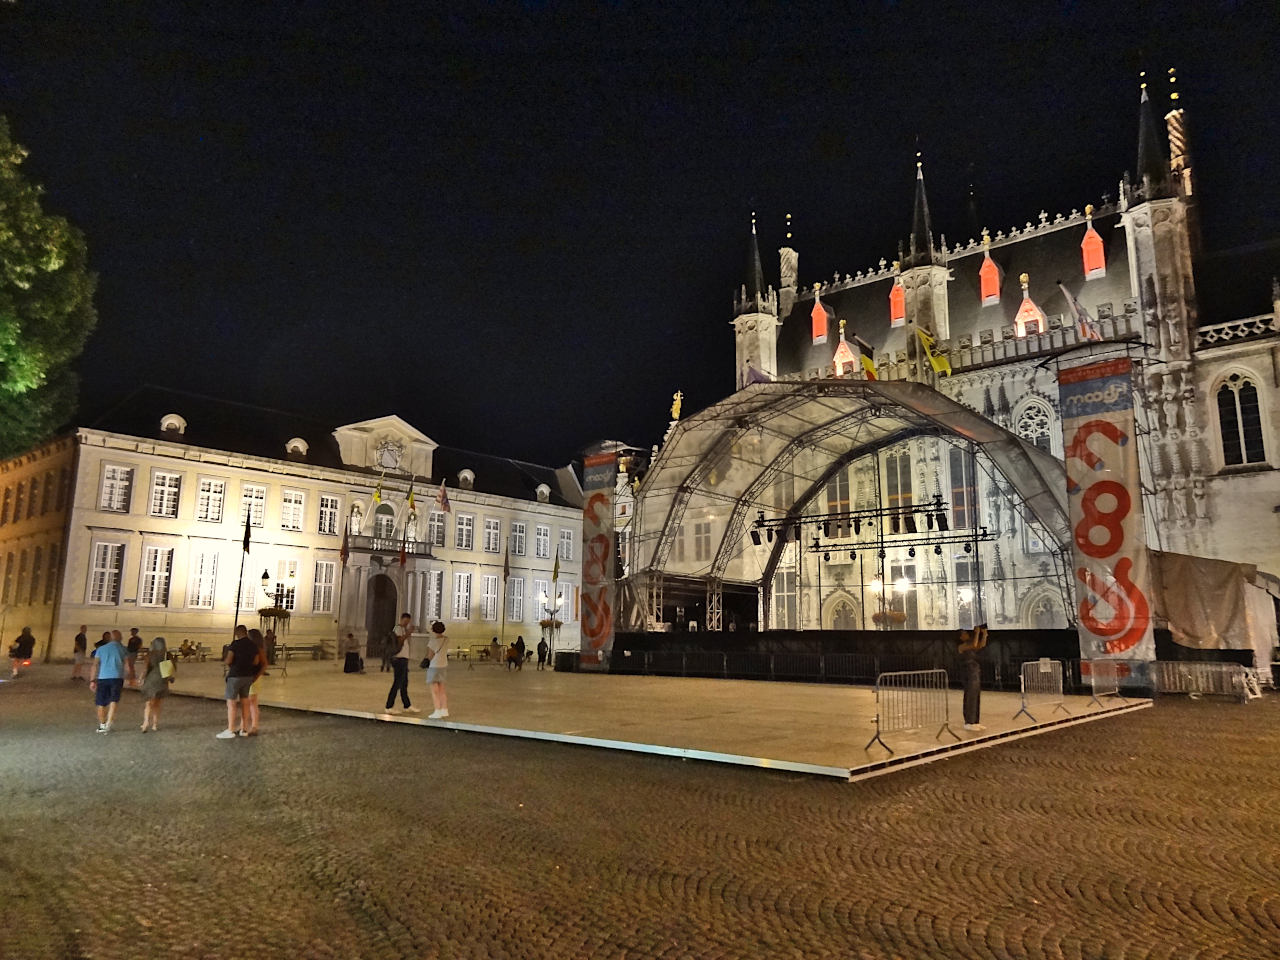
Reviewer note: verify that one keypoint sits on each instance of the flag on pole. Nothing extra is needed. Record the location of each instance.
(506, 564)
(412, 506)
(865, 354)
(555, 571)
(404, 549)
(247, 518)
(939, 364)
(1085, 324)
(442, 499)
(344, 552)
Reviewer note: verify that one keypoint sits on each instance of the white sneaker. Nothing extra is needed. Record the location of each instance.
(226, 735)
(438, 715)
(412, 710)
(392, 712)
(102, 728)
(976, 727)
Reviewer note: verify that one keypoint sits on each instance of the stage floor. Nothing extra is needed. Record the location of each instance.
(807, 728)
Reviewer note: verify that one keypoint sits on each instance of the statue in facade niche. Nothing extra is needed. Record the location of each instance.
(1162, 500)
(1170, 403)
(357, 520)
(411, 526)
(1180, 501)
(1200, 496)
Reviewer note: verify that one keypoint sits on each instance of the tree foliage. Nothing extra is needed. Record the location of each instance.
(46, 308)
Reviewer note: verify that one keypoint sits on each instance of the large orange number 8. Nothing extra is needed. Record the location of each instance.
(1109, 520)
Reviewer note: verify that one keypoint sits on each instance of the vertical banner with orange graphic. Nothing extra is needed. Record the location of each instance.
(600, 472)
(1110, 565)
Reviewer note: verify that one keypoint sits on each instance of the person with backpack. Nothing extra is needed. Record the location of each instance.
(400, 665)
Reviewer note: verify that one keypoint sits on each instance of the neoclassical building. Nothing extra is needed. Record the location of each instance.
(1000, 311)
(138, 519)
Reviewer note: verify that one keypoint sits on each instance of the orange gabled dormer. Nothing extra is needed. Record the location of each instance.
(988, 274)
(819, 318)
(1091, 249)
(897, 301)
(843, 356)
(1028, 315)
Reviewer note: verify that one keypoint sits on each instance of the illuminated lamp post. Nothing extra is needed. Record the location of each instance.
(550, 623)
(276, 613)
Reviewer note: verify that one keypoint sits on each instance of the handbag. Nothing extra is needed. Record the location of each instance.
(426, 662)
(166, 669)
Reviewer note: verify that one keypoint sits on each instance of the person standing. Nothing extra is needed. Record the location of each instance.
(21, 650)
(542, 653)
(351, 662)
(969, 645)
(520, 653)
(111, 667)
(245, 663)
(79, 651)
(134, 646)
(438, 648)
(400, 665)
(155, 685)
(252, 730)
(270, 642)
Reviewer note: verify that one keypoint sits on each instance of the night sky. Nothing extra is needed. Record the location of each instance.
(520, 226)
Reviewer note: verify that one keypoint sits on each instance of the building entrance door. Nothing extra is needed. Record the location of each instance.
(381, 617)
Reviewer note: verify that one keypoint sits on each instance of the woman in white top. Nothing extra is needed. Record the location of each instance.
(436, 669)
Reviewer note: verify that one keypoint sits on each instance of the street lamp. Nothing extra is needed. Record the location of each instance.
(277, 606)
(550, 608)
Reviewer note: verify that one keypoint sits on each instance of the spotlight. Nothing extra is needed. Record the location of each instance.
(755, 537)
(911, 551)
(881, 554)
(937, 549)
(928, 519)
(909, 521)
(857, 525)
(895, 523)
(853, 555)
(826, 529)
(968, 548)
(876, 585)
(826, 557)
(769, 534)
(943, 525)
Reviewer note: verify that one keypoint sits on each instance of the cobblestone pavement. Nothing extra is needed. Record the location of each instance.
(1151, 836)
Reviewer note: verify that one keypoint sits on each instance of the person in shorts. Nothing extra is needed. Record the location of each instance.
(438, 651)
(245, 662)
(111, 666)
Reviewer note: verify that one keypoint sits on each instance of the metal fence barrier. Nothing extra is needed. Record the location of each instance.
(909, 700)
(1104, 679)
(1181, 676)
(1041, 685)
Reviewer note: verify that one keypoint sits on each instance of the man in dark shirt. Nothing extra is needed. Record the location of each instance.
(245, 663)
(78, 652)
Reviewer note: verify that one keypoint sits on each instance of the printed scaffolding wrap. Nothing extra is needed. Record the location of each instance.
(1110, 562)
(599, 475)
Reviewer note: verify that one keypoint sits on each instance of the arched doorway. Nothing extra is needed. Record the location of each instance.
(841, 611)
(380, 619)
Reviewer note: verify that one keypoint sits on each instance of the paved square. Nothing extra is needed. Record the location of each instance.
(1151, 835)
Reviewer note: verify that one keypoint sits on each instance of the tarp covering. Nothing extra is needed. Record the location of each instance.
(1212, 604)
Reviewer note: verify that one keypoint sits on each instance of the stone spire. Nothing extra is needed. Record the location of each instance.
(920, 249)
(1153, 169)
(755, 273)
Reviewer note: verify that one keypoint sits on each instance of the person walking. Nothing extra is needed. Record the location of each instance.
(437, 668)
(79, 653)
(245, 662)
(155, 684)
(520, 652)
(969, 645)
(400, 665)
(261, 642)
(134, 646)
(111, 667)
(543, 649)
(21, 651)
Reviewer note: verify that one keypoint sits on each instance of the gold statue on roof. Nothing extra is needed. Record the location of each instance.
(676, 398)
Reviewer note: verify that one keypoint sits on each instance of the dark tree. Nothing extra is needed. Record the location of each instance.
(46, 308)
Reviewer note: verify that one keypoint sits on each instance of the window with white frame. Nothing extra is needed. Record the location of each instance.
(489, 597)
(253, 503)
(287, 577)
(964, 489)
(517, 538)
(330, 506)
(107, 560)
(569, 608)
(897, 478)
(677, 545)
(22, 576)
(1035, 425)
(292, 505)
(165, 490)
(492, 535)
(542, 542)
(541, 598)
(515, 599)
(209, 499)
(1240, 422)
(322, 586)
(784, 600)
(462, 596)
(51, 581)
(117, 485)
(566, 544)
(250, 590)
(435, 594)
(157, 564)
(435, 529)
(702, 540)
(465, 532)
(204, 580)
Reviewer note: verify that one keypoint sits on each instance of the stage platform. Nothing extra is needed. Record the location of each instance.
(800, 727)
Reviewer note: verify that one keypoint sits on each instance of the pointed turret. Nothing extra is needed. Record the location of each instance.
(755, 321)
(755, 272)
(1153, 169)
(920, 249)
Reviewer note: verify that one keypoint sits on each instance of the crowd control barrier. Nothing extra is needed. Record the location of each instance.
(909, 700)
(1041, 685)
(1221, 679)
(1104, 679)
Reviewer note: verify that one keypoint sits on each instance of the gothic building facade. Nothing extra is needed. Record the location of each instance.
(986, 323)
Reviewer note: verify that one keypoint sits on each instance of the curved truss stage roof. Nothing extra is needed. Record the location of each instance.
(772, 447)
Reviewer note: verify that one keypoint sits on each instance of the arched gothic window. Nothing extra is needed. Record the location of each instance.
(1240, 420)
(1035, 425)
